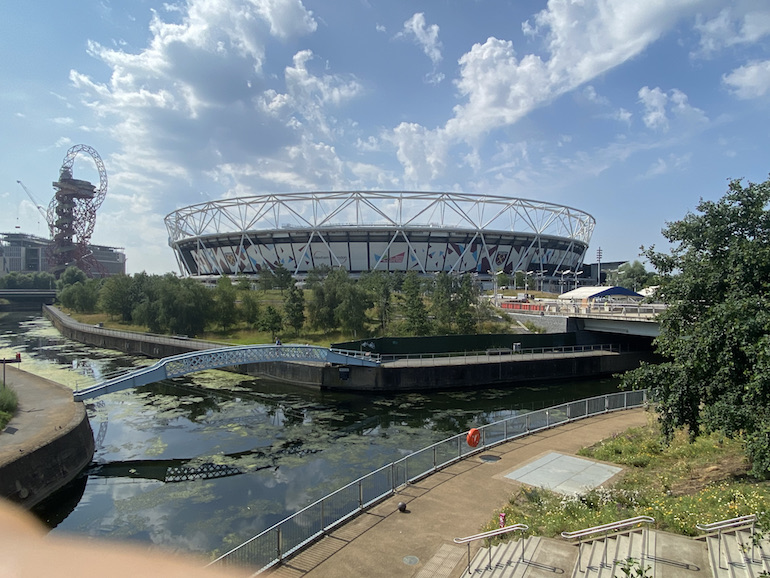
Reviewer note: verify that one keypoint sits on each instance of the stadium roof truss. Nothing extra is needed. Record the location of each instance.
(398, 216)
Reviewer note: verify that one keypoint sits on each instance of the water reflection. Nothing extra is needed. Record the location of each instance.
(278, 447)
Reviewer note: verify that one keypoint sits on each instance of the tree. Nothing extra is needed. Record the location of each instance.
(465, 311)
(328, 294)
(283, 278)
(634, 276)
(442, 303)
(81, 296)
(414, 307)
(378, 285)
(116, 297)
(351, 311)
(715, 333)
(294, 308)
(250, 308)
(271, 321)
(71, 276)
(225, 310)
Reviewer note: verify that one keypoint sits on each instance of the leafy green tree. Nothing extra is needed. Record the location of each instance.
(465, 310)
(243, 283)
(715, 333)
(266, 279)
(328, 294)
(351, 311)
(379, 286)
(82, 296)
(71, 276)
(250, 309)
(271, 321)
(634, 276)
(225, 310)
(283, 278)
(442, 302)
(415, 312)
(116, 297)
(294, 308)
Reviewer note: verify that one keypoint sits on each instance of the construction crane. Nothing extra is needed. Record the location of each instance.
(34, 201)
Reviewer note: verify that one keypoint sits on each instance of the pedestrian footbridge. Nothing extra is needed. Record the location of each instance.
(185, 363)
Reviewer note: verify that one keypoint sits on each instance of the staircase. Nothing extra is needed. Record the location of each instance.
(664, 555)
(731, 555)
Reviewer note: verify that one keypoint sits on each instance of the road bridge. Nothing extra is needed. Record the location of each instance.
(185, 363)
(28, 298)
(627, 318)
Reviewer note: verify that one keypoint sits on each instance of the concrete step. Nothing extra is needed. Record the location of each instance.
(542, 558)
(666, 556)
(732, 556)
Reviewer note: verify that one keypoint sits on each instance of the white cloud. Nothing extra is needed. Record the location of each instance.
(198, 97)
(499, 88)
(749, 81)
(745, 22)
(657, 104)
(671, 163)
(427, 38)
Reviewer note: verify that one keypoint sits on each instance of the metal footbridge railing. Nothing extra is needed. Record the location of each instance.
(185, 363)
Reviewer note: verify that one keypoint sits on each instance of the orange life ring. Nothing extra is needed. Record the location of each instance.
(473, 438)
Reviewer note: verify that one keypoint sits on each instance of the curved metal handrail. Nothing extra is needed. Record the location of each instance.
(738, 522)
(490, 534)
(619, 525)
(731, 523)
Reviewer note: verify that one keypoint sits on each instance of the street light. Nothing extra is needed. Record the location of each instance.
(561, 283)
(576, 277)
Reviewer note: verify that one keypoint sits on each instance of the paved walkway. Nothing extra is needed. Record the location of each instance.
(455, 502)
(45, 408)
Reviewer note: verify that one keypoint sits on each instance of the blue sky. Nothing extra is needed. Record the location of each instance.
(630, 111)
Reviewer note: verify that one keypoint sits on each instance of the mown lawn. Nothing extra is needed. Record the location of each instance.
(680, 485)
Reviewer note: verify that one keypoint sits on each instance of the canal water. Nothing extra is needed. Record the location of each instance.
(203, 462)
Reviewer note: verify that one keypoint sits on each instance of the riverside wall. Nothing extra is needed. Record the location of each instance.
(46, 444)
(393, 377)
(477, 374)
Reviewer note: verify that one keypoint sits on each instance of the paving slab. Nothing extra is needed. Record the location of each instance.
(564, 474)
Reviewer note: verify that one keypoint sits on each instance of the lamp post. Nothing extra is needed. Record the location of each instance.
(494, 286)
(599, 266)
(561, 282)
(576, 277)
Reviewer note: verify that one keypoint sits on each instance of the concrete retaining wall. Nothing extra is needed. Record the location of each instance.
(442, 377)
(45, 466)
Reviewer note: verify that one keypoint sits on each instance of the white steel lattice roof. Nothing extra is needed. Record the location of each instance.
(389, 210)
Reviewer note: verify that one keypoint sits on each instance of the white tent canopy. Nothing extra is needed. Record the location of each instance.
(593, 293)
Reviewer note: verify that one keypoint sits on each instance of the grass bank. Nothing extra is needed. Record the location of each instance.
(8, 404)
(680, 485)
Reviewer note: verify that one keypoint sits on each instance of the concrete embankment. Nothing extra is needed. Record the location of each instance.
(47, 443)
(440, 373)
(477, 371)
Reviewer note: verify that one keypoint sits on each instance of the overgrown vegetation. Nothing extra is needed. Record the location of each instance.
(680, 484)
(715, 332)
(8, 404)
(330, 306)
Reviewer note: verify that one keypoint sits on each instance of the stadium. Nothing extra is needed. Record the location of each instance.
(360, 231)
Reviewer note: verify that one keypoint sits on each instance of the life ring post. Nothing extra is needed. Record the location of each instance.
(474, 437)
